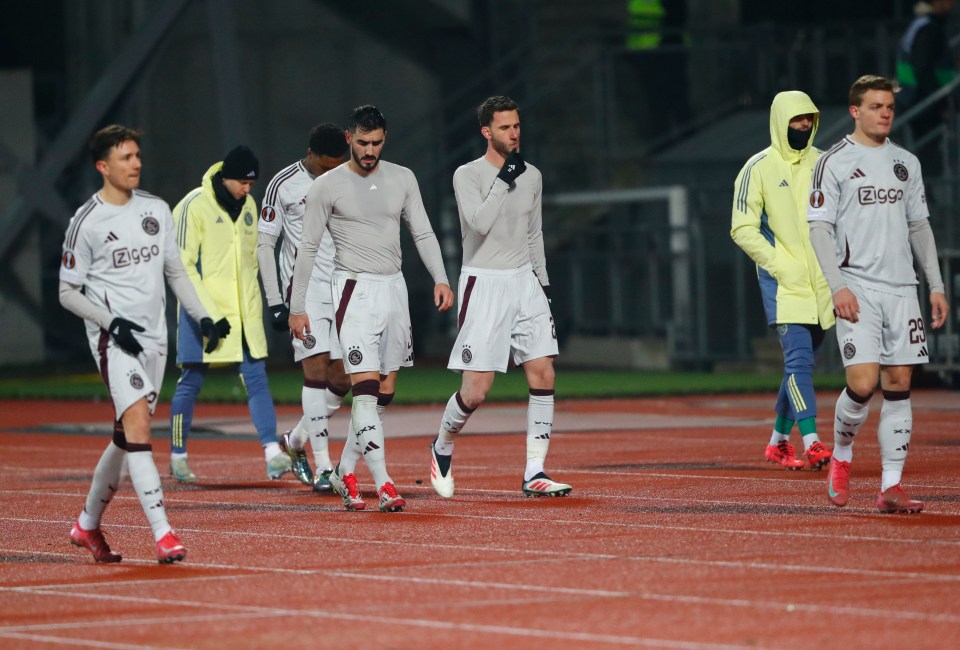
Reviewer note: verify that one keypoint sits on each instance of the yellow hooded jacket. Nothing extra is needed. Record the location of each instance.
(770, 221)
(220, 257)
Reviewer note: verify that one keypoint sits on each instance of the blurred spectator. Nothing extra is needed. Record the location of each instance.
(656, 34)
(924, 65)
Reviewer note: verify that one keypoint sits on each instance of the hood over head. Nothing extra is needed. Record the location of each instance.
(785, 106)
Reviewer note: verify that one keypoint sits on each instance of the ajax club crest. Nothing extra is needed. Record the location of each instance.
(900, 171)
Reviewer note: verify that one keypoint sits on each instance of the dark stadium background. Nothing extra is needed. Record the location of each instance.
(678, 102)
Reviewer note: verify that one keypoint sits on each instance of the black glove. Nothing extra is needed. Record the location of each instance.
(279, 314)
(122, 331)
(223, 326)
(209, 330)
(546, 292)
(513, 166)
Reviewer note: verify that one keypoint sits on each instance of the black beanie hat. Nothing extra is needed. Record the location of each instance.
(240, 164)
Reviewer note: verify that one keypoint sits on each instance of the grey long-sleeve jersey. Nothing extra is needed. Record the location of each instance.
(501, 225)
(363, 214)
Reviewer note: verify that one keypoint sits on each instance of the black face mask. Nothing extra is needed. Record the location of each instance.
(798, 139)
(225, 198)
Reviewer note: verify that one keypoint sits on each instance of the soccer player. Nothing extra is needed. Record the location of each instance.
(324, 381)
(504, 308)
(218, 244)
(770, 224)
(362, 204)
(867, 213)
(118, 249)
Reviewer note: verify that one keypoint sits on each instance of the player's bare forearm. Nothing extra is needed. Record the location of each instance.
(299, 325)
(442, 296)
(845, 305)
(939, 309)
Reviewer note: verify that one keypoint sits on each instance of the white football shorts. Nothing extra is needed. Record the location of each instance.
(372, 321)
(323, 335)
(502, 313)
(128, 378)
(890, 330)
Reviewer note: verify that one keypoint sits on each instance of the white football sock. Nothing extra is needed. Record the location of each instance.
(271, 450)
(451, 423)
(776, 438)
(351, 450)
(298, 435)
(539, 426)
(333, 400)
(893, 434)
(106, 481)
(849, 416)
(146, 482)
(367, 423)
(314, 424)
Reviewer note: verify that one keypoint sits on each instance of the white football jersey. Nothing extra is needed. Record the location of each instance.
(118, 253)
(282, 213)
(869, 194)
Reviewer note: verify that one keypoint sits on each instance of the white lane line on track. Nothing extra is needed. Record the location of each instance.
(818, 509)
(737, 532)
(250, 483)
(83, 643)
(939, 577)
(123, 622)
(481, 584)
(254, 572)
(401, 622)
(741, 603)
(796, 478)
(558, 556)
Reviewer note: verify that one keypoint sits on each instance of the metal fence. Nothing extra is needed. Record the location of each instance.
(659, 263)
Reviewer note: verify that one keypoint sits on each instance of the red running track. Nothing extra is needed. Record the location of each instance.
(677, 535)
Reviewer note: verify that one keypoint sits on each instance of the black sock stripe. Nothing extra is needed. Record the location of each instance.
(896, 395)
(859, 399)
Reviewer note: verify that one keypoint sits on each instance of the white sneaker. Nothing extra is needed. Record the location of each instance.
(278, 466)
(542, 485)
(181, 471)
(346, 487)
(443, 484)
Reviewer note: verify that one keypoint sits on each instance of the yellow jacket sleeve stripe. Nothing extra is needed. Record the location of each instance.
(744, 189)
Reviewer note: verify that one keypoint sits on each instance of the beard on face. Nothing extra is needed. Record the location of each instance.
(504, 148)
(365, 165)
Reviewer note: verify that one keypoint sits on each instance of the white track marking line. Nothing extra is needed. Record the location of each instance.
(738, 565)
(185, 498)
(83, 643)
(123, 622)
(481, 584)
(704, 529)
(795, 478)
(254, 572)
(742, 603)
(673, 598)
(402, 622)
(577, 522)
